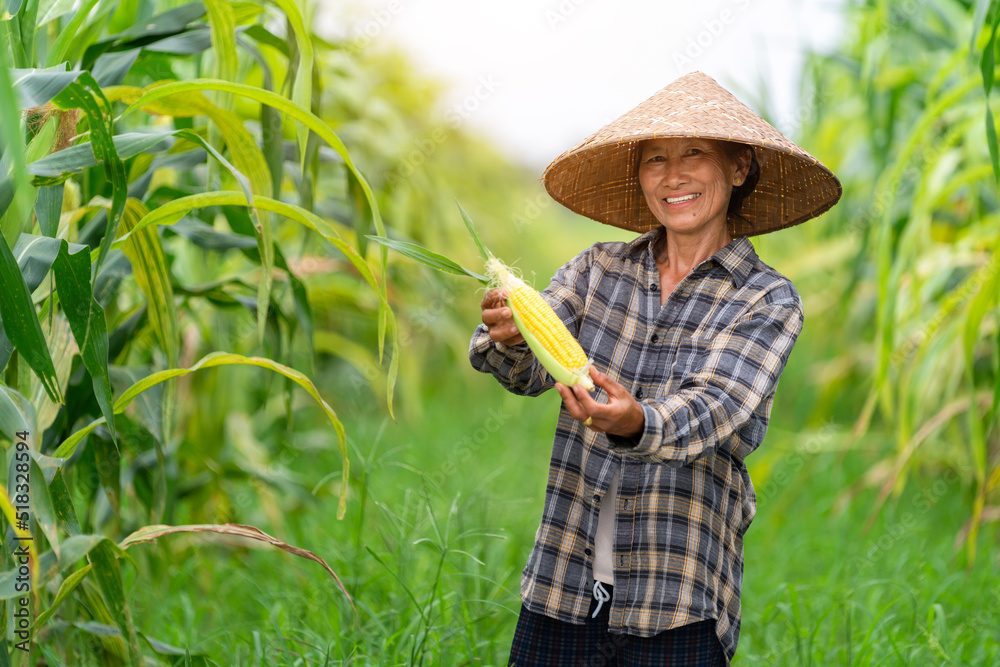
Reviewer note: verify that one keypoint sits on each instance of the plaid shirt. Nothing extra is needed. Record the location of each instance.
(704, 367)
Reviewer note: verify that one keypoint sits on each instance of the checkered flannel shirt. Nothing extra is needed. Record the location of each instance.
(704, 368)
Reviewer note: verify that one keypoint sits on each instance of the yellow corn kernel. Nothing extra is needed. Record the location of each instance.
(556, 349)
(543, 322)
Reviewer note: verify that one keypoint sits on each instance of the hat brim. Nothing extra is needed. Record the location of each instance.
(599, 177)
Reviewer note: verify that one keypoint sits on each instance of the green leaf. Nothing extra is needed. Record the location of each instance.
(16, 192)
(248, 160)
(66, 588)
(167, 23)
(21, 325)
(16, 413)
(60, 48)
(992, 144)
(63, 350)
(76, 96)
(48, 208)
(87, 321)
(152, 274)
(62, 503)
(69, 445)
(41, 504)
(264, 36)
(111, 68)
(303, 72)
(483, 250)
(53, 9)
(430, 258)
(152, 533)
(35, 255)
(174, 210)
(37, 87)
(74, 159)
(292, 109)
(107, 573)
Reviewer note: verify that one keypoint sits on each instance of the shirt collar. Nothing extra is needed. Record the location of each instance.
(738, 258)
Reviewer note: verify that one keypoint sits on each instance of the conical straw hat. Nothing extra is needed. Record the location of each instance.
(599, 177)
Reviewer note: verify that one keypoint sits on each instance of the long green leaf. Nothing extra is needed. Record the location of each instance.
(152, 533)
(17, 190)
(149, 267)
(76, 96)
(429, 258)
(59, 49)
(303, 72)
(17, 414)
(69, 445)
(66, 588)
(287, 107)
(87, 321)
(48, 208)
(21, 325)
(37, 87)
(107, 572)
(173, 211)
(41, 504)
(251, 170)
(483, 250)
(56, 166)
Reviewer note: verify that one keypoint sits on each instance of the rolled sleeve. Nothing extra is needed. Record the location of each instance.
(737, 377)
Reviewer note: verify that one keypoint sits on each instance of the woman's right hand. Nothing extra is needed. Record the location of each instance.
(498, 318)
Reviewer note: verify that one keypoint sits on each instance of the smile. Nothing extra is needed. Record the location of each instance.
(675, 200)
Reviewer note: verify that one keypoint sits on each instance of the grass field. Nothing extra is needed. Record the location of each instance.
(443, 514)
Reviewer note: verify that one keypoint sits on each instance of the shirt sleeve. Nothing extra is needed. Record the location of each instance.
(515, 367)
(737, 375)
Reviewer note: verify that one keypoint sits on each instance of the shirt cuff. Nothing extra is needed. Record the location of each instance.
(647, 441)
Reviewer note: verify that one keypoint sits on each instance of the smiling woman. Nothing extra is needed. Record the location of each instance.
(688, 332)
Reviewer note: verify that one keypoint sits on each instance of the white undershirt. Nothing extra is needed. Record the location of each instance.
(605, 540)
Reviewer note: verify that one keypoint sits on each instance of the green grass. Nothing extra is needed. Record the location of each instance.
(432, 555)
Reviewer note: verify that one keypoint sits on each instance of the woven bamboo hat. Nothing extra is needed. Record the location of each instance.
(599, 177)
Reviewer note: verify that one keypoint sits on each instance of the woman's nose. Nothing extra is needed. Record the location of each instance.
(674, 172)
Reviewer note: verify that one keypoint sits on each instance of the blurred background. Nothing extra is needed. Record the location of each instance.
(876, 535)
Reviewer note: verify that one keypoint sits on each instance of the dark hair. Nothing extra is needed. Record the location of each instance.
(742, 191)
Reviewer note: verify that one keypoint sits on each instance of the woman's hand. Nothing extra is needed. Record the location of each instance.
(498, 318)
(621, 415)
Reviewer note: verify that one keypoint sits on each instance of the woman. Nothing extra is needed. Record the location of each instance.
(639, 556)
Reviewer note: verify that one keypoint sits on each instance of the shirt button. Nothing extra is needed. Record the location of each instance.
(597, 498)
(653, 287)
(655, 338)
(638, 394)
(587, 552)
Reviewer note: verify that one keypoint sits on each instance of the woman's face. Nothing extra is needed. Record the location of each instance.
(687, 183)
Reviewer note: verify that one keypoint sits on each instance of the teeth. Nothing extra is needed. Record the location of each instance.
(674, 200)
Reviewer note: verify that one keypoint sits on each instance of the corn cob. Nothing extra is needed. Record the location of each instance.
(546, 335)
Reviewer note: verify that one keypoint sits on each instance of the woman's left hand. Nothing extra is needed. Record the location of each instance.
(621, 415)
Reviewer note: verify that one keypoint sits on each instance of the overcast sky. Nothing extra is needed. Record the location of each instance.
(540, 75)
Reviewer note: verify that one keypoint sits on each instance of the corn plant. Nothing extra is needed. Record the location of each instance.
(904, 114)
(158, 161)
